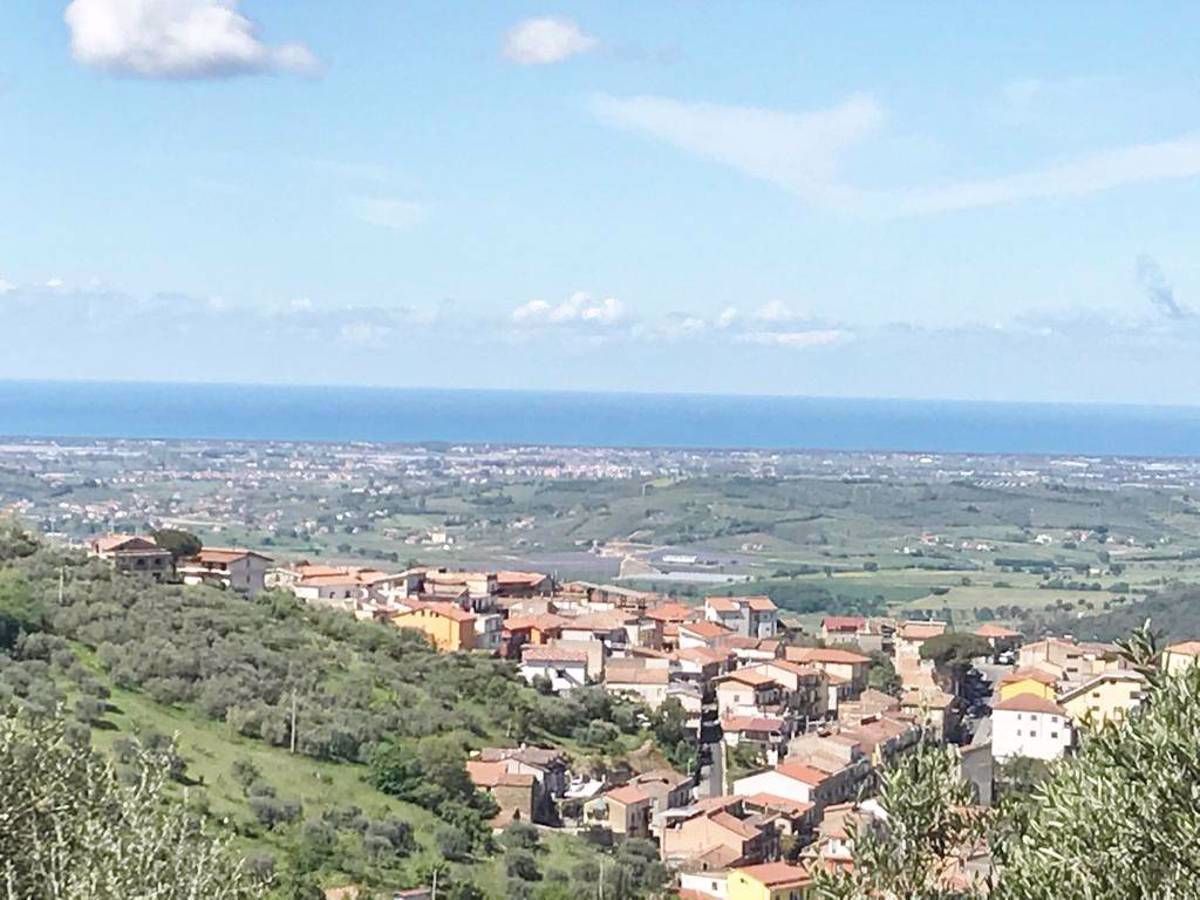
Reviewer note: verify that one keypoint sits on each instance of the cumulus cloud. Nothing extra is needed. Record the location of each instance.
(542, 41)
(176, 39)
(804, 152)
(6, 287)
(578, 309)
(387, 212)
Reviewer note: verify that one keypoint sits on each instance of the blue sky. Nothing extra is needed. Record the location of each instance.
(921, 200)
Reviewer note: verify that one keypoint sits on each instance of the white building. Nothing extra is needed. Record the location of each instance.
(1032, 726)
(755, 617)
(565, 668)
(234, 569)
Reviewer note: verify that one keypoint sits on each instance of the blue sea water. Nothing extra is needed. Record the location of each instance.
(256, 412)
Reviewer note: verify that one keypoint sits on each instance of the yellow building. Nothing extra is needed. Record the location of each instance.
(1110, 695)
(448, 626)
(1178, 657)
(769, 881)
(1028, 681)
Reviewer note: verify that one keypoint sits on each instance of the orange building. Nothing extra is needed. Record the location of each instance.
(449, 627)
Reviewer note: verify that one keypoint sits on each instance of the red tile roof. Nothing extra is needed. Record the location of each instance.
(1030, 703)
(996, 631)
(777, 874)
(1185, 648)
(843, 623)
(627, 794)
(705, 629)
(673, 612)
(1029, 675)
(826, 655)
(800, 772)
(550, 653)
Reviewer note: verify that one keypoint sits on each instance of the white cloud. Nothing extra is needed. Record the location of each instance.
(55, 283)
(804, 153)
(815, 338)
(798, 151)
(176, 39)
(387, 212)
(6, 287)
(578, 309)
(541, 41)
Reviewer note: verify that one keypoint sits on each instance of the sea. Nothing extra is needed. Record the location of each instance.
(47, 409)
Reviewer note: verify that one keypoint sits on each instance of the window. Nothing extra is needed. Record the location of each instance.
(1054, 735)
(1018, 732)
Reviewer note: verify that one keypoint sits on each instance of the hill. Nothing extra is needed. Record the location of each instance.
(279, 719)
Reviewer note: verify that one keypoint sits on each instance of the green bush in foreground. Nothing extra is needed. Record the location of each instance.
(1119, 819)
(70, 829)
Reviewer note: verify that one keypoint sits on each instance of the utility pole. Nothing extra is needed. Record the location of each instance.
(601, 879)
(433, 891)
(62, 578)
(293, 748)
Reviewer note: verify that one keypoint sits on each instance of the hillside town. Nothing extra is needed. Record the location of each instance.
(790, 729)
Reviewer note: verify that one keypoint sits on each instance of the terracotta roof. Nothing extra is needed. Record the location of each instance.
(636, 675)
(800, 772)
(722, 604)
(701, 656)
(495, 774)
(1029, 675)
(843, 623)
(225, 555)
(779, 804)
(673, 612)
(749, 676)
(443, 609)
(627, 794)
(752, 723)
(734, 824)
(919, 631)
(825, 655)
(704, 629)
(995, 631)
(111, 542)
(761, 604)
(550, 653)
(1030, 703)
(547, 622)
(777, 874)
(1185, 648)
(1075, 690)
(793, 667)
(529, 578)
(601, 621)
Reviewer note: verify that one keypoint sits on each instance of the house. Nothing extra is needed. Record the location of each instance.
(549, 771)
(744, 692)
(934, 708)
(518, 630)
(718, 832)
(131, 554)
(667, 618)
(666, 788)
(447, 625)
(701, 665)
(806, 687)
(755, 617)
(340, 589)
(910, 636)
(1027, 681)
(1109, 696)
(701, 634)
(699, 883)
(612, 596)
(637, 678)
(617, 631)
(523, 584)
(478, 587)
(623, 810)
(842, 629)
(1031, 726)
(1178, 658)
(514, 792)
(564, 668)
(768, 733)
(768, 881)
(1075, 660)
(790, 780)
(869, 704)
(883, 737)
(852, 667)
(239, 570)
